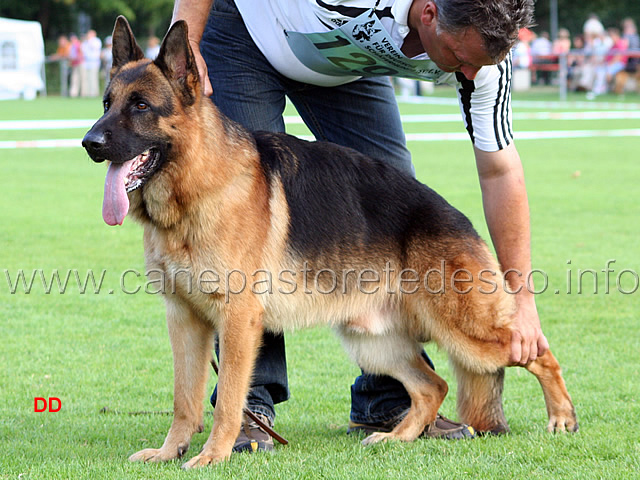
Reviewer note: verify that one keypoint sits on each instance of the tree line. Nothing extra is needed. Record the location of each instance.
(151, 17)
(61, 17)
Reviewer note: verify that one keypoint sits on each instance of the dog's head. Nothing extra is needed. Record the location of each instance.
(142, 102)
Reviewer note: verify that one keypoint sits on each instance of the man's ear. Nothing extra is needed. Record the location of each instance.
(124, 47)
(177, 62)
(429, 13)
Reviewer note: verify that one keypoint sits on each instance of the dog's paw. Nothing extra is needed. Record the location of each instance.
(563, 424)
(202, 460)
(148, 455)
(376, 438)
(158, 454)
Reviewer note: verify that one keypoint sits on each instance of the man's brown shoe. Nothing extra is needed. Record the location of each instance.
(442, 427)
(254, 438)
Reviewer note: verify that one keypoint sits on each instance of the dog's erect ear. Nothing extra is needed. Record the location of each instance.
(177, 62)
(124, 47)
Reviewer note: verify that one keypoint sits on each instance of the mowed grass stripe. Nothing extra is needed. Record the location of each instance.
(411, 137)
(9, 125)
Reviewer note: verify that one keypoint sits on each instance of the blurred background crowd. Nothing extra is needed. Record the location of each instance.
(598, 59)
(570, 49)
(85, 62)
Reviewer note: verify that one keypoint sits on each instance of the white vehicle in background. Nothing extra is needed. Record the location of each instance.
(21, 59)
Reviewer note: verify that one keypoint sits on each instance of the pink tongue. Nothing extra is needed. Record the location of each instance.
(115, 204)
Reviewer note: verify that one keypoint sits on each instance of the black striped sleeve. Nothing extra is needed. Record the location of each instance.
(485, 104)
(501, 124)
(508, 102)
(466, 89)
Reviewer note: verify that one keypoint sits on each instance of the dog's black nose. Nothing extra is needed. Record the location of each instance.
(94, 141)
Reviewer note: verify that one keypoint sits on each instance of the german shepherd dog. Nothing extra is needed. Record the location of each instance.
(324, 234)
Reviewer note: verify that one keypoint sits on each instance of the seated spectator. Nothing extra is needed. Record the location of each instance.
(592, 27)
(541, 47)
(561, 47)
(614, 62)
(632, 66)
(575, 62)
(616, 59)
(562, 44)
(522, 50)
(595, 49)
(630, 34)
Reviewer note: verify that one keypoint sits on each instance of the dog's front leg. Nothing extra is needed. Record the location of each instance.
(240, 335)
(191, 342)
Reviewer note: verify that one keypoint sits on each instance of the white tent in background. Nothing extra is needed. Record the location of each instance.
(21, 59)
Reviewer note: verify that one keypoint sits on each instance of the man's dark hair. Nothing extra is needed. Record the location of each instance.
(497, 21)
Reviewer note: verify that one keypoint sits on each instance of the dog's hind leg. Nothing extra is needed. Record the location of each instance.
(427, 391)
(562, 414)
(479, 399)
(400, 357)
(191, 343)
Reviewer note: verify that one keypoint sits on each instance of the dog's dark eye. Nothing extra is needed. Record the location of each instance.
(142, 106)
(106, 106)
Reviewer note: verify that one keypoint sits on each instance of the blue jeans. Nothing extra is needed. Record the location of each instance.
(362, 115)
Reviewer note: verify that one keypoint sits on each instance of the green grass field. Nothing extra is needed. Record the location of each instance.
(111, 350)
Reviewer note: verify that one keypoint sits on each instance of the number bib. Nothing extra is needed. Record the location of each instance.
(361, 47)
